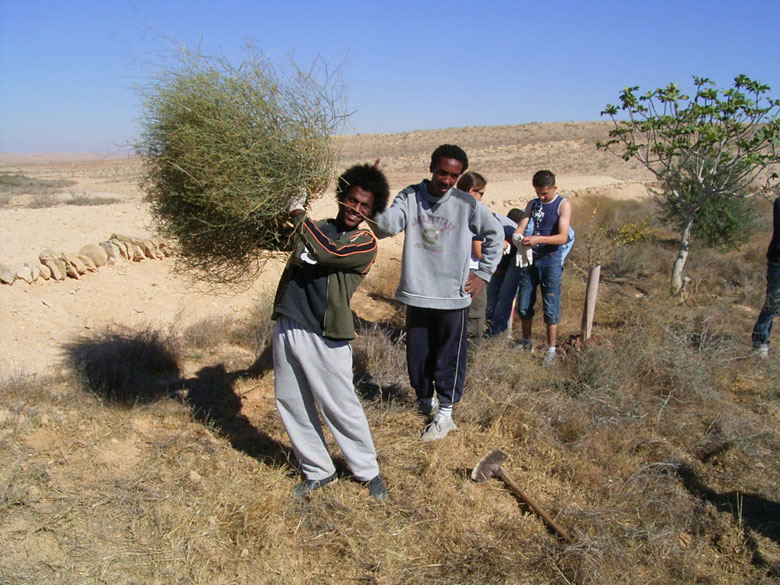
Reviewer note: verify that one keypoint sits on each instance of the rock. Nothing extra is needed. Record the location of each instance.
(71, 269)
(25, 273)
(87, 261)
(53, 265)
(45, 272)
(135, 252)
(112, 252)
(125, 239)
(36, 271)
(148, 248)
(95, 253)
(7, 276)
(52, 260)
(122, 247)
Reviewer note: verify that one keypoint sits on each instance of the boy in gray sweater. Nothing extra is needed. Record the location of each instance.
(436, 284)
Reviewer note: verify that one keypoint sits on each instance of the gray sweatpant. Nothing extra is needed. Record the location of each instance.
(311, 371)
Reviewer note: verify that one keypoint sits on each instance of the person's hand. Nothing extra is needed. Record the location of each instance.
(298, 202)
(507, 247)
(474, 284)
(529, 241)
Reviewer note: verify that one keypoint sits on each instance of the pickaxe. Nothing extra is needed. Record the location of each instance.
(490, 466)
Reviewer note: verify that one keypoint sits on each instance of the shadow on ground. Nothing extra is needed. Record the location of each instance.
(755, 512)
(127, 368)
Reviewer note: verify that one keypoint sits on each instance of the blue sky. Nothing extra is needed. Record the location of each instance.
(68, 68)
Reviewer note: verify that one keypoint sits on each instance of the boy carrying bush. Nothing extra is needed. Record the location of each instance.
(314, 324)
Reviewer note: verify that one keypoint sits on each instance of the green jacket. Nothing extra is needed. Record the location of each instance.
(321, 275)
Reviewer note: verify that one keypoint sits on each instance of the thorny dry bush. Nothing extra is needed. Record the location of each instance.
(657, 447)
(226, 148)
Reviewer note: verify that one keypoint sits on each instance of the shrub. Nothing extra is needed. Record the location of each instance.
(226, 149)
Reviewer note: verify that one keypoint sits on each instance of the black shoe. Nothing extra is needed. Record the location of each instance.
(307, 486)
(377, 488)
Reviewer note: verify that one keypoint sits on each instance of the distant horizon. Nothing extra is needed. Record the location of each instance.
(74, 73)
(121, 155)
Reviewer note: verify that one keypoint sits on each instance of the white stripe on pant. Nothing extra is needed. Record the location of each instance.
(311, 371)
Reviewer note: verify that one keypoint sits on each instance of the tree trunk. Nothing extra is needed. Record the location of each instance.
(682, 256)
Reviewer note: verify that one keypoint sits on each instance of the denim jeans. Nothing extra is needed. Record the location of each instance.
(502, 290)
(763, 326)
(544, 272)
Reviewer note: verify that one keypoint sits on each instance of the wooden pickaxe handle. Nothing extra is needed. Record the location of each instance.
(532, 504)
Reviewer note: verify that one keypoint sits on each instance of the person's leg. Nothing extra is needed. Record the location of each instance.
(477, 311)
(329, 373)
(550, 268)
(418, 351)
(552, 334)
(295, 402)
(771, 308)
(493, 287)
(526, 299)
(510, 285)
(450, 356)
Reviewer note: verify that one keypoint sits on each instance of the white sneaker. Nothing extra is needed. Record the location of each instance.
(762, 351)
(550, 356)
(437, 428)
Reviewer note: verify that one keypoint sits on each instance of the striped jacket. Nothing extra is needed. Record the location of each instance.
(321, 275)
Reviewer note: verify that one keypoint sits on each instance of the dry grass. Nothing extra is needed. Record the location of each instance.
(82, 199)
(657, 447)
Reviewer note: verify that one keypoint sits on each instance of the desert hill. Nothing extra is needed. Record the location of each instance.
(38, 318)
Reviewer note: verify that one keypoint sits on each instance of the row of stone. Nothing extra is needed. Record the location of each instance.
(53, 265)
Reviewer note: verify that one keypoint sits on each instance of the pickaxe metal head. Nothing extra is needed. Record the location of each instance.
(489, 466)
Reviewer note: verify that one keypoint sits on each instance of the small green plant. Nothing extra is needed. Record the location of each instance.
(83, 199)
(42, 200)
(19, 184)
(716, 146)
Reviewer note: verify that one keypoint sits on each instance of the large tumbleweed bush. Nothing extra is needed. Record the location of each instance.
(226, 149)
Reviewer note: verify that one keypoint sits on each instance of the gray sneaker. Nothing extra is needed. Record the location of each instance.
(437, 428)
(307, 486)
(550, 356)
(428, 409)
(762, 350)
(377, 488)
(526, 345)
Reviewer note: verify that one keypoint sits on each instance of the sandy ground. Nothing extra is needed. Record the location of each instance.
(38, 320)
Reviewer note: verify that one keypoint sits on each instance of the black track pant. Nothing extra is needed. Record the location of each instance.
(436, 342)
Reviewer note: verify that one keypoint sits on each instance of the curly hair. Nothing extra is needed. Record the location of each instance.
(369, 178)
(450, 151)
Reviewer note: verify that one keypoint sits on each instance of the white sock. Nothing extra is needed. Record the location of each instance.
(445, 411)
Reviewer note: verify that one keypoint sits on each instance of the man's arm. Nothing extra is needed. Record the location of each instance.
(485, 225)
(393, 219)
(525, 219)
(356, 255)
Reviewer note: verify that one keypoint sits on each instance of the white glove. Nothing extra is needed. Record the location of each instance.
(298, 201)
(524, 256)
(507, 247)
(517, 240)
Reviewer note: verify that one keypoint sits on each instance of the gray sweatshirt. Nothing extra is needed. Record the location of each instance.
(437, 244)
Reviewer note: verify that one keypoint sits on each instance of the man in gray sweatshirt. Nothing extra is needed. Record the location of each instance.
(436, 284)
